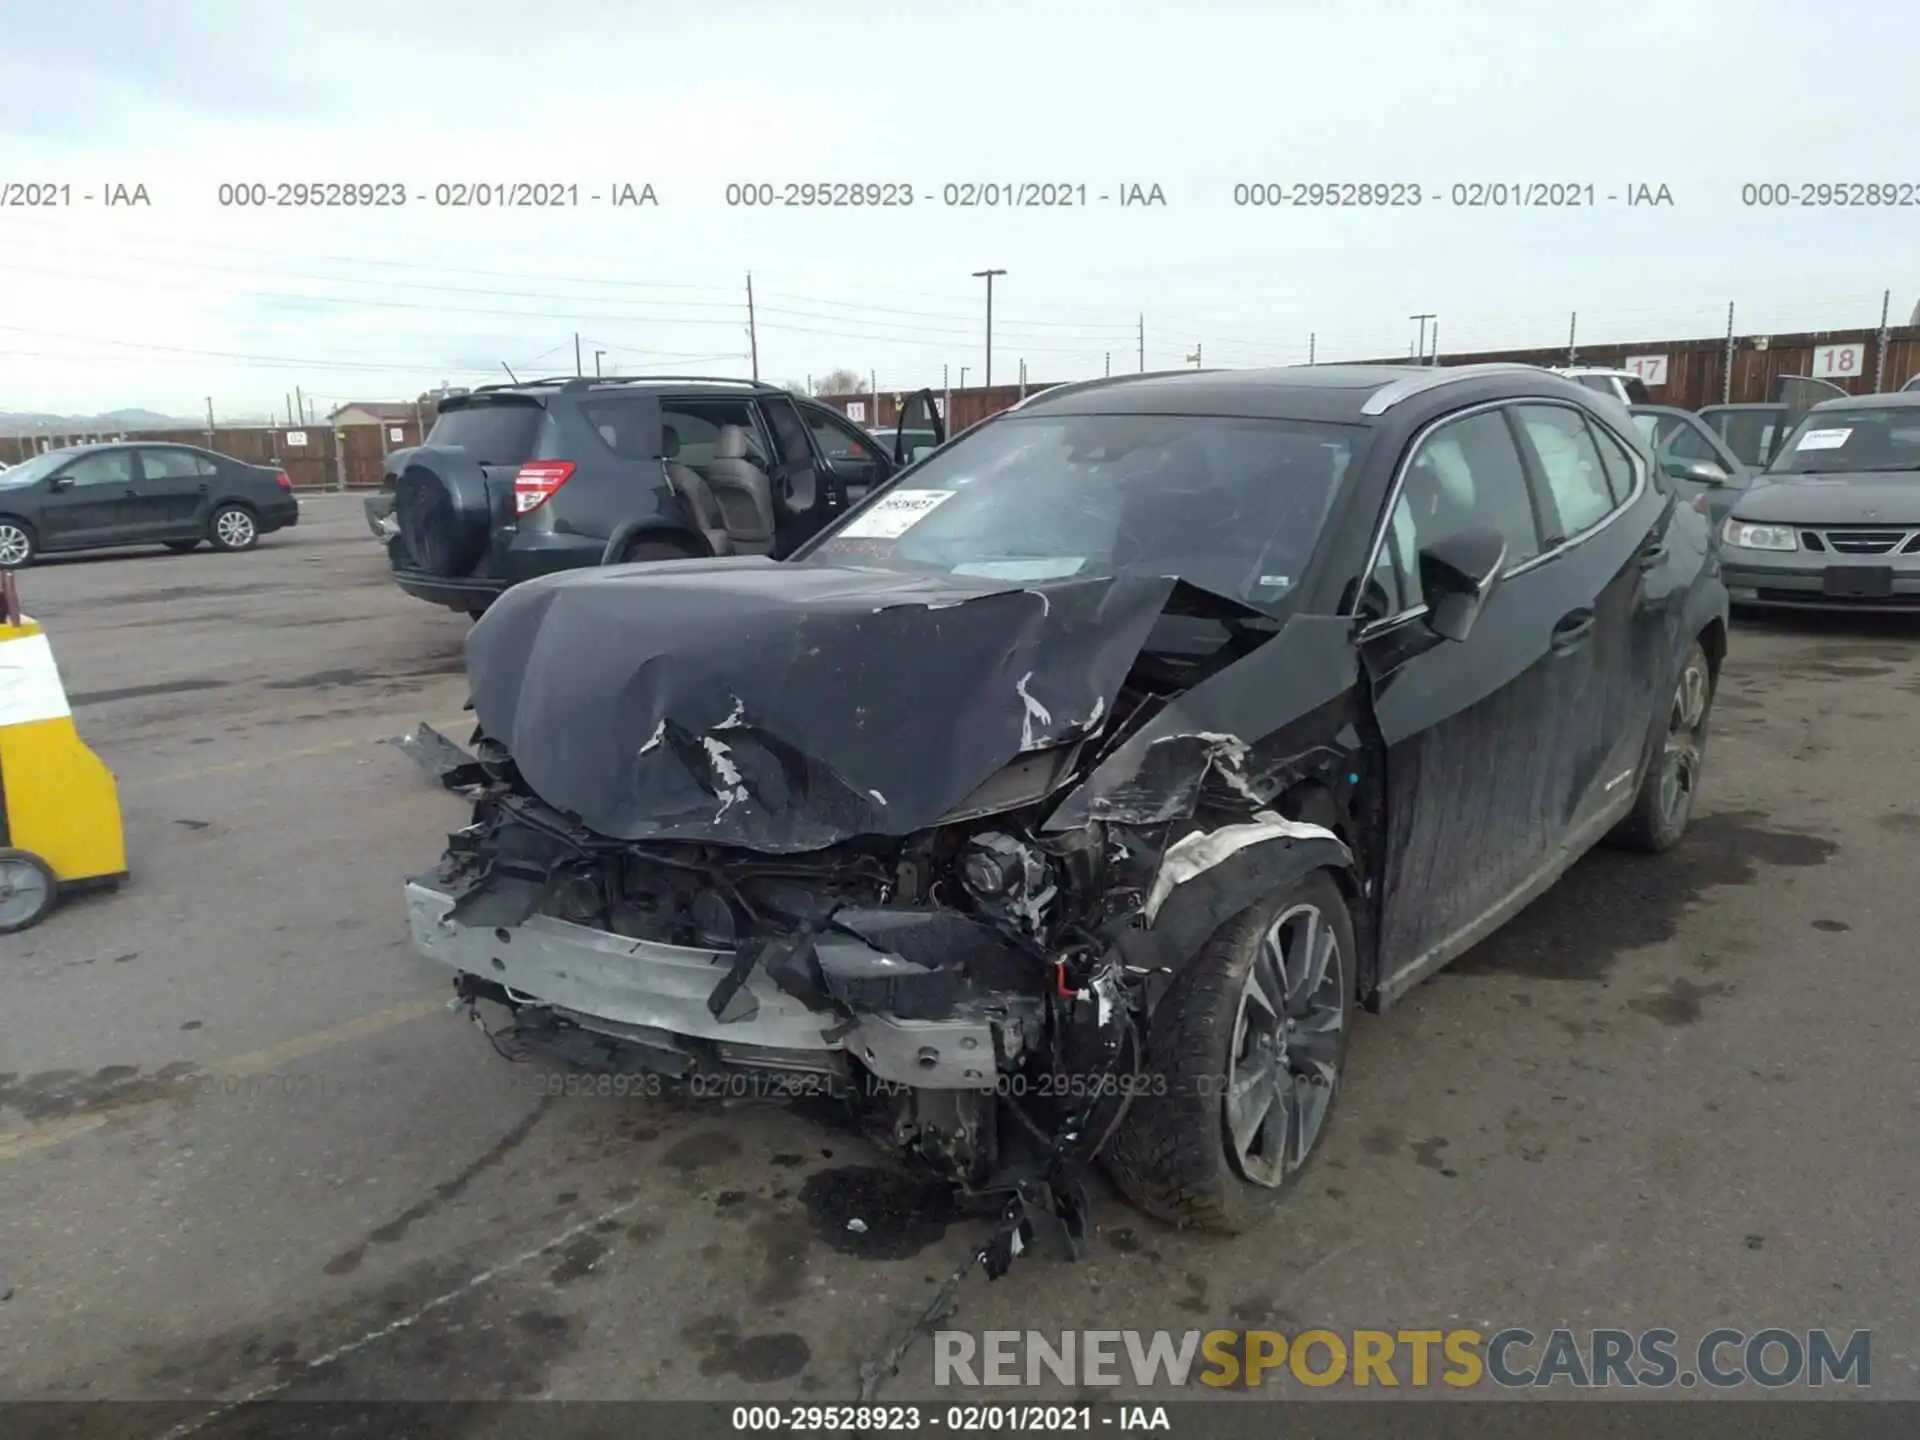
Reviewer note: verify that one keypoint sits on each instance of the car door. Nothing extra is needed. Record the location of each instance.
(172, 494)
(1471, 728)
(1605, 522)
(1690, 455)
(86, 502)
(855, 461)
(809, 493)
(919, 417)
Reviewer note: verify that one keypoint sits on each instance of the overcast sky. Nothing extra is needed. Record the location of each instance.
(164, 305)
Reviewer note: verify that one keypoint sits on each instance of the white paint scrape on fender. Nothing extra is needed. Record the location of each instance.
(1199, 852)
(30, 682)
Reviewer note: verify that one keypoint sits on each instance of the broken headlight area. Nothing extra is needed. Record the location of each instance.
(953, 988)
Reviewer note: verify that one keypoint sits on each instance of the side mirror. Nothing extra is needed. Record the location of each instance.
(1457, 574)
(1701, 472)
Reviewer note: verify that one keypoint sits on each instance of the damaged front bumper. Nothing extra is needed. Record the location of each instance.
(654, 1004)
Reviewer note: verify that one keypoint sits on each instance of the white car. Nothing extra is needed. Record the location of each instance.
(1625, 386)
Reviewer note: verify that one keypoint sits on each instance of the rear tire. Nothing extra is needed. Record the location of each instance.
(28, 890)
(233, 528)
(18, 544)
(1220, 1040)
(181, 547)
(1664, 803)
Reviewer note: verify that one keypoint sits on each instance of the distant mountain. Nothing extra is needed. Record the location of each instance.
(14, 422)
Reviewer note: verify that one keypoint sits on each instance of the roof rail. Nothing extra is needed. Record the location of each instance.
(1072, 387)
(1391, 394)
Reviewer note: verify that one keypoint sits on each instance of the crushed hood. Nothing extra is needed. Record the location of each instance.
(786, 707)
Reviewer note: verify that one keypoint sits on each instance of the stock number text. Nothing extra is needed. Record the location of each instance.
(1849, 194)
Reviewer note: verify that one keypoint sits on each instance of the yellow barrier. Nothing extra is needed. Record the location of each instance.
(60, 819)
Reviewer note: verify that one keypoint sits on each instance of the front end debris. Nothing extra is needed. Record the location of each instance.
(913, 844)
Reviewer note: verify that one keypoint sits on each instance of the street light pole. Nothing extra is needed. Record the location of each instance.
(596, 363)
(1422, 351)
(988, 275)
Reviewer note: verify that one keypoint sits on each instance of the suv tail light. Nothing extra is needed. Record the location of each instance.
(536, 482)
(283, 480)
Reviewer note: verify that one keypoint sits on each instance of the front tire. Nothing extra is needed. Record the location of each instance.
(1246, 1052)
(232, 528)
(1664, 803)
(17, 544)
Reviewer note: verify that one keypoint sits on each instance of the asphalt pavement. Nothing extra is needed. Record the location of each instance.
(246, 1151)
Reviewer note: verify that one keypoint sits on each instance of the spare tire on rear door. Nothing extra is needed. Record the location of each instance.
(444, 513)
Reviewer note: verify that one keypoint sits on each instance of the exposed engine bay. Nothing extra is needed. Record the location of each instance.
(658, 876)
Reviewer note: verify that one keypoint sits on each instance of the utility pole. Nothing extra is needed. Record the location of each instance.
(1109, 364)
(596, 363)
(578, 368)
(988, 275)
(1195, 356)
(963, 376)
(1726, 380)
(1573, 319)
(1436, 341)
(299, 404)
(753, 335)
(946, 397)
(1023, 379)
(289, 408)
(209, 422)
(1880, 343)
(873, 385)
(1311, 338)
(1422, 343)
(1143, 344)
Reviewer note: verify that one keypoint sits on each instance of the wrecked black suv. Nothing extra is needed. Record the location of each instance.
(1069, 796)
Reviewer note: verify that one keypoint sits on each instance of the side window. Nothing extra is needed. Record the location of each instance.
(1574, 474)
(1619, 465)
(107, 467)
(1683, 441)
(696, 425)
(1464, 475)
(174, 465)
(839, 440)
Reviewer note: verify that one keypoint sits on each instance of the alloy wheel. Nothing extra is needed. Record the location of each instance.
(15, 547)
(235, 529)
(1686, 740)
(1285, 1057)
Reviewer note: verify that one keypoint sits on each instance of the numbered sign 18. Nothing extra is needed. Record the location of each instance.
(1652, 369)
(1838, 362)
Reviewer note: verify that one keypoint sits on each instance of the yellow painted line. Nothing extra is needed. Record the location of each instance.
(26, 1140)
(279, 757)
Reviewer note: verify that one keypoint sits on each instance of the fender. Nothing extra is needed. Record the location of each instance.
(1210, 876)
(658, 527)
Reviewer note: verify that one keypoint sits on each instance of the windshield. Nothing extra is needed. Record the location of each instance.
(1232, 505)
(39, 467)
(1861, 441)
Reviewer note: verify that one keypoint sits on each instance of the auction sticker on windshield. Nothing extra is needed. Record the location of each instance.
(893, 514)
(1823, 439)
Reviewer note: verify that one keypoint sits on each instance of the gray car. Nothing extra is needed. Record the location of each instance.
(1703, 470)
(1834, 522)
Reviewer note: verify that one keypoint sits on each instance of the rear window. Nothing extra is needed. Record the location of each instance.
(493, 434)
